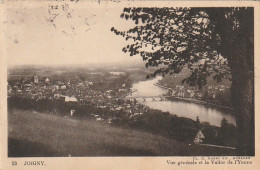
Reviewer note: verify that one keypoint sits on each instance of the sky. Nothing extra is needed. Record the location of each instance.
(65, 34)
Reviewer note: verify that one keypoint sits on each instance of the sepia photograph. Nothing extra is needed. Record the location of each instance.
(87, 81)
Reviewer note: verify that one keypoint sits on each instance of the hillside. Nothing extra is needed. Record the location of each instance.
(36, 134)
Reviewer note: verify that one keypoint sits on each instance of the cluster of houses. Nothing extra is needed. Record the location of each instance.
(209, 92)
(43, 88)
(75, 91)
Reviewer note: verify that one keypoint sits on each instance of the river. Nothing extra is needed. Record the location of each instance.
(209, 114)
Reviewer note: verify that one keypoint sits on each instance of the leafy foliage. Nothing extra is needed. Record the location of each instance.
(174, 38)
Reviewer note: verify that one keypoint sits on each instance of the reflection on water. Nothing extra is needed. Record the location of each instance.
(147, 88)
(182, 109)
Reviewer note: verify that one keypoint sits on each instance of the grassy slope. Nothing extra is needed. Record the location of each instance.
(35, 134)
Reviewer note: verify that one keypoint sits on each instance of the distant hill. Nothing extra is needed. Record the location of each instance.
(176, 79)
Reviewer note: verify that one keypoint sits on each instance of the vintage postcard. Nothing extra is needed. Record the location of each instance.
(129, 84)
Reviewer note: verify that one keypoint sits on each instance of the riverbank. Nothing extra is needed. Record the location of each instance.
(172, 98)
(192, 100)
(164, 87)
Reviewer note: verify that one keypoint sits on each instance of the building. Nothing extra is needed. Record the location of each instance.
(70, 99)
(191, 93)
(56, 96)
(189, 134)
(35, 79)
(173, 92)
(46, 80)
(63, 87)
(72, 112)
(199, 95)
(199, 137)
(9, 90)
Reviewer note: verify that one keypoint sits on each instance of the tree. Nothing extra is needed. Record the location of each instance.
(224, 123)
(227, 133)
(197, 122)
(217, 42)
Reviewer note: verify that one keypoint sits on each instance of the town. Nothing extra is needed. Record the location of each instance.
(107, 90)
(76, 91)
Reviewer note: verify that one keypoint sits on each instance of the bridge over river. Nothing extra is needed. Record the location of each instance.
(148, 97)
